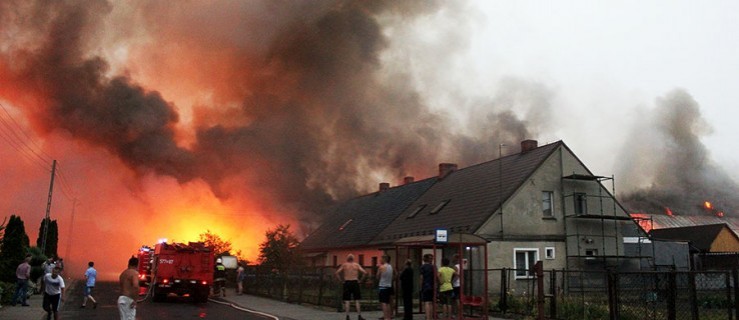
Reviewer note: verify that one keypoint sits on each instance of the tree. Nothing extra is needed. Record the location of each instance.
(52, 239)
(279, 250)
(220, 247)
(13, 248)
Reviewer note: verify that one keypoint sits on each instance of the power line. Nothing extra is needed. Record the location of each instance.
(10, 135)
(21, 150)
(41, 154)
(67, 189)
(27, 147)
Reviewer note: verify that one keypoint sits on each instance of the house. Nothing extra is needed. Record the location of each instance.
(713, 246)
(542, 203)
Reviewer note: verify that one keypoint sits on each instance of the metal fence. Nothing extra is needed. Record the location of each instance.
(641, 295)
(312, 285)
(567, 294)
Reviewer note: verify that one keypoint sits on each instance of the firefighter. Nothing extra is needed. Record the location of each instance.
(219, 283)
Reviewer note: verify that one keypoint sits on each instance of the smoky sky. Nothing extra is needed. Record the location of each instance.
(313, 120)
(666, 151)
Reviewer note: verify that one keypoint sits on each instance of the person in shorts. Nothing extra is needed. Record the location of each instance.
(129, 282)
(446, 291)
(53, 293)
(385, 274)
(428, 277)
(349, 272)
(90, 277)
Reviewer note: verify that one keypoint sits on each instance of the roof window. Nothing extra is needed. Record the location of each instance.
(343, 226)
(439, 207)
(415, 212)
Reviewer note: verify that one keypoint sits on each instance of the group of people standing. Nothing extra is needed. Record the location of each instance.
(52, 283)
(447, 278)
(445, 281)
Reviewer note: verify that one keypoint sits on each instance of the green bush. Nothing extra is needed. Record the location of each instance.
(714, 302)
(6, 292)
(575, 309)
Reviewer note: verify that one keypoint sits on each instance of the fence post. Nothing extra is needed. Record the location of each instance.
(320, 287)
(728, 293)
(503, 290)
(612, 302)
(735, 275)
(671, 295)
(693, 296)
(553, 293)
(539, 269)
(301, 283)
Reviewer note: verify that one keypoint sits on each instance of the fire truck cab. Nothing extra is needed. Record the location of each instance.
(182, 269)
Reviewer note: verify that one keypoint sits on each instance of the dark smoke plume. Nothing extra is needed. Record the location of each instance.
(314, 121)
(669, 155)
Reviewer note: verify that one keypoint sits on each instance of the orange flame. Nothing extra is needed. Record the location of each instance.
(708, 205)
(668, 212)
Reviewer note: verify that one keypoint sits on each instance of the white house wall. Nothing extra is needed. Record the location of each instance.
(524, 225)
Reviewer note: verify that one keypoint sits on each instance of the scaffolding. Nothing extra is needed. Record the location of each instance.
(594, 225)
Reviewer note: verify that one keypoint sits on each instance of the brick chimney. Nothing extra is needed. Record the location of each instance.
(446, 168)
(384, 186)
(528, 145)
(408, 180)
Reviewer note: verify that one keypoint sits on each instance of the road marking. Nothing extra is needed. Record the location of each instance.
(232, 305)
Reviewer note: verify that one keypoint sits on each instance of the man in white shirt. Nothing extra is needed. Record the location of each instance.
(53, 293)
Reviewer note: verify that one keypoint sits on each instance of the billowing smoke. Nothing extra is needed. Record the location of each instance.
(287, 105)
(668, 166)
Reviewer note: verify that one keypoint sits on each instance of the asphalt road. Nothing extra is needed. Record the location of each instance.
(106, 293)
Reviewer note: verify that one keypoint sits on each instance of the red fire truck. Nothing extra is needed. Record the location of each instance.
(182, 269)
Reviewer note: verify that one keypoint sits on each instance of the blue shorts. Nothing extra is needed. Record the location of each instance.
(88, 291)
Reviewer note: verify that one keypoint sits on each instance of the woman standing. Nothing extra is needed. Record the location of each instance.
(240, 276)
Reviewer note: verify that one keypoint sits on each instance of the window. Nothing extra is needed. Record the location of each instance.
(523, 262)
(343, 226)
(546, 203)
(581, 203)
(549, 253)
(415, 212)
(591, 253)
(336, 261)
(439, 207)
(361, 260)
(374, 261)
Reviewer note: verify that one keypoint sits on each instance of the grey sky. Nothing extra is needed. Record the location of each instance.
(605, 62)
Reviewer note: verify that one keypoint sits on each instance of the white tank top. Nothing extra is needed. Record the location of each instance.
(455, 282)
(386, 278)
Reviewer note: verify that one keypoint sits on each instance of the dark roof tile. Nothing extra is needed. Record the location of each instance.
(363, 218)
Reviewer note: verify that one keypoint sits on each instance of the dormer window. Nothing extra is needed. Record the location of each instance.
(439, 207)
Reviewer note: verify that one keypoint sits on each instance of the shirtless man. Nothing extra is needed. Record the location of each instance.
(350, 271)
(129, 290)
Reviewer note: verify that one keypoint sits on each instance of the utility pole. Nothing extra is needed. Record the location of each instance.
(71, 228)
(48, 208)
(500, 186)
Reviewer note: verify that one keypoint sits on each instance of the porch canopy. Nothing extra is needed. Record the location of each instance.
(471, 250)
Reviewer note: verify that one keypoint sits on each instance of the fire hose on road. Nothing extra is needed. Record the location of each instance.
(237, 307)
